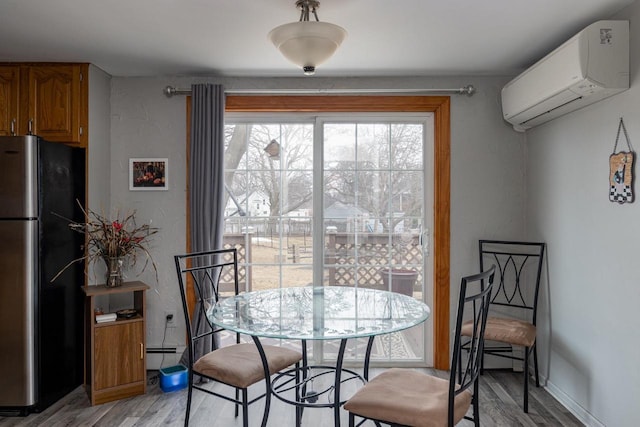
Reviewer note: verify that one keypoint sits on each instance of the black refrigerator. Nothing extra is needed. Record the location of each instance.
(41, 322)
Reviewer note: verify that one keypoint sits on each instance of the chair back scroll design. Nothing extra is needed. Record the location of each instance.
(205, 270)
(518, 263)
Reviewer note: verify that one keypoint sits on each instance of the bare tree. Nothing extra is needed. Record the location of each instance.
(388, 182)
(389, 179)
(286, 180)
(235, 137)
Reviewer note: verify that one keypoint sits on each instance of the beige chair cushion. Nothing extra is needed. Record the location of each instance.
(404, 396)
(509, 331)
(240, 365)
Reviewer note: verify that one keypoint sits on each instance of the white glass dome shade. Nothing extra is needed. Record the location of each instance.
(307, 43)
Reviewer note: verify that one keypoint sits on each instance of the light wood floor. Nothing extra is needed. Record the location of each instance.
(500, 405)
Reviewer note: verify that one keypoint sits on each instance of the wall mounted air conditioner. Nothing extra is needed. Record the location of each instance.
(592, 65)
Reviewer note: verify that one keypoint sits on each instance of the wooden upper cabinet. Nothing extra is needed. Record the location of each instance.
(9, 99)
(49, 100)
(54, 103)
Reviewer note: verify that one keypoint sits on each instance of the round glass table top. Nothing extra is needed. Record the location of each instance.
(321, 313)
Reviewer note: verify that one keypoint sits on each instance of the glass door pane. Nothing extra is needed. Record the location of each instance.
(373, 219)
(268, 175)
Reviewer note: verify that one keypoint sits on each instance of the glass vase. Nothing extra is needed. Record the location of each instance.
(114, 271)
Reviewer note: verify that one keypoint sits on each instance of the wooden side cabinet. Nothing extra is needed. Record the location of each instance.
(115, 352)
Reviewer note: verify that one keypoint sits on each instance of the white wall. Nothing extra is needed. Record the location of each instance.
(486, 169)
(593, 293)
(100, 137)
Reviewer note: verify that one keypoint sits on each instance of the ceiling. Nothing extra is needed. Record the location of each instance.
(229, 37)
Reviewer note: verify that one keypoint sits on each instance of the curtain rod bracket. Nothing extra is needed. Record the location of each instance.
(468, 90)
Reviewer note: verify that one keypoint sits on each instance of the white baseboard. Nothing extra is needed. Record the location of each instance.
(565, 400)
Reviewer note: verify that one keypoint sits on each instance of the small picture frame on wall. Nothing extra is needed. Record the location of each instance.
(148, 174)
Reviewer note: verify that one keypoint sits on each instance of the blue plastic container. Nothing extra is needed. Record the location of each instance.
(173, 378)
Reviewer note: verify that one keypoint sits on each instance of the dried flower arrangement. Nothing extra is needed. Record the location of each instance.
(120, 238)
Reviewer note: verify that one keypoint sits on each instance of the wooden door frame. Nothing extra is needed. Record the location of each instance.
(440, 107)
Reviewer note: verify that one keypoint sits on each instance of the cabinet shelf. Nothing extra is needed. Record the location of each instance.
(91, 291)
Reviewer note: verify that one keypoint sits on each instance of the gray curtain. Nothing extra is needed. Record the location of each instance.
(206, 185)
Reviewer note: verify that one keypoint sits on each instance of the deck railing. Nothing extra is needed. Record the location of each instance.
(348, 257)
(364, 256)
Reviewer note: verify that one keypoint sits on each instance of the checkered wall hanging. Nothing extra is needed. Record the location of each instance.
(621, 170)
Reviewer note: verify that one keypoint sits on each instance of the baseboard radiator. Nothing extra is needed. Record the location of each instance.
(161, 357)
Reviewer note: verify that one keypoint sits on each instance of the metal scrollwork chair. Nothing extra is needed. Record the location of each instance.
(514, 305)
(405, 397)
(239, 365)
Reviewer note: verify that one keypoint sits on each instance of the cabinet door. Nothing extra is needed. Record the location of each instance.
(54, 102)
(119, 355)
(9, 91)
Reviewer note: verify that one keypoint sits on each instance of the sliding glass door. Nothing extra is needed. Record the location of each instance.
(334, 201)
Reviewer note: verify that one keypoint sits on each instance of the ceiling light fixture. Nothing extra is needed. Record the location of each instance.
(307, 43)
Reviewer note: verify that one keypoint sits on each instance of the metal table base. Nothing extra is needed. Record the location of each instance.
(298, 380)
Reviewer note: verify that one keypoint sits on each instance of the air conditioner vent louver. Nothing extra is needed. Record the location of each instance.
(550, 111)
